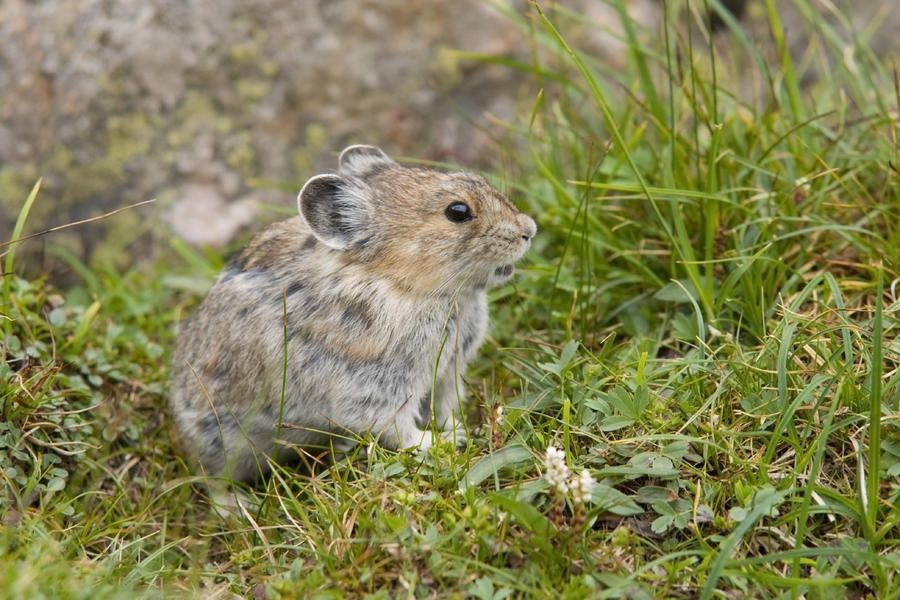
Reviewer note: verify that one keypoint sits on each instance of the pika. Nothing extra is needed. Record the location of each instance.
(357, 316)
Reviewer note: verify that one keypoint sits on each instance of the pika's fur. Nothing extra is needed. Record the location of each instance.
(377, 294)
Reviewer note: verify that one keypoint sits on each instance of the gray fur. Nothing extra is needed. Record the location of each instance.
(364, 161)
(383, 296)
(336, 209)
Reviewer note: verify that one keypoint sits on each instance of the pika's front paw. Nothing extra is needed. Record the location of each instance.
(455, 436)
(424, 439)
(229, 502)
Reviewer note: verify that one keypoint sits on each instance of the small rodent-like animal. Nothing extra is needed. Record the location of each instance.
(374, 298)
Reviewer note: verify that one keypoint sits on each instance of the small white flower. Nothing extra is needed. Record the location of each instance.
(802, 184)
(556, 472)
(582, 486)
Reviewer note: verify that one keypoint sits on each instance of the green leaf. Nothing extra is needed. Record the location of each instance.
(84, 327)
(57, 317)
(653, 493)
(16, 234)
(482, 588)
(615, 422)
(13, 344)
(679, 292)
(676, 450)
(642, 465)
(661, 524)
(56, 484)
(529, 518)
(684, 327)
(568, 352)
(597, 403)
(764, 502)
(612, 500)
(491, 464)
(564, 361)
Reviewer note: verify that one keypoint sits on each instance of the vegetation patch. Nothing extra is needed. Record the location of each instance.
(691, 387)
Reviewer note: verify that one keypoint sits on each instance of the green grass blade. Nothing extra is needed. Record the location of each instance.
(873, 481)
(764, 501)
(9, 261)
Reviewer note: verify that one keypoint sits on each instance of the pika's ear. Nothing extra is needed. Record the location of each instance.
(336, 209)
(364, 161)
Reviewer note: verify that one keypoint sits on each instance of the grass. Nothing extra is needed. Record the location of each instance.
(708, 323)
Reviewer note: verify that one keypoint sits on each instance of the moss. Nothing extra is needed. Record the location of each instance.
(269, 68)
(196, 114)
(60, 160)
(240, 155)
(315, 144)
(93, 183)
(128, 137)
(121, 232)
(445, 66)
(223, 124)
(15, 183)
(250, 53)
(244, 53)
(96, 178)
(252, 90)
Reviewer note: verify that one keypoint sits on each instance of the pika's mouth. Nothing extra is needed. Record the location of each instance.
(504, 271)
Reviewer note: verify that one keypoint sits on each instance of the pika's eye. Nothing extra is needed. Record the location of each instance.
(458, 212)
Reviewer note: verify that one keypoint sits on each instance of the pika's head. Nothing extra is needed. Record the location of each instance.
(429, 231)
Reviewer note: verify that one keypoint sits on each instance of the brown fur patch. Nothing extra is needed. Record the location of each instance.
(274, 247)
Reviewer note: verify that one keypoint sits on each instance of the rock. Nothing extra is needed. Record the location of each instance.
(114, 103)
(202, 217)
(200, 103)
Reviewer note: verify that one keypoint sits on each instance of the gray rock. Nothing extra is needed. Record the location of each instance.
(196, 103)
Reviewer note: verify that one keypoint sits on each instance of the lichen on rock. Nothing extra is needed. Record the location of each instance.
(118, 102)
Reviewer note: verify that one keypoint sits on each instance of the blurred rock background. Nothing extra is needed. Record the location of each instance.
(195, 103)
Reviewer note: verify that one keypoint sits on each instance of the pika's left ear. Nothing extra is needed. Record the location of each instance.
(335, 209)
(364, 161)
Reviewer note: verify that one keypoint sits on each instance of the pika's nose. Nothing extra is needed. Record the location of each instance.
(529, 228)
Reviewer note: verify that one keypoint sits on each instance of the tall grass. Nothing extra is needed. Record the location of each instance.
(10, 254)
(756, 214)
